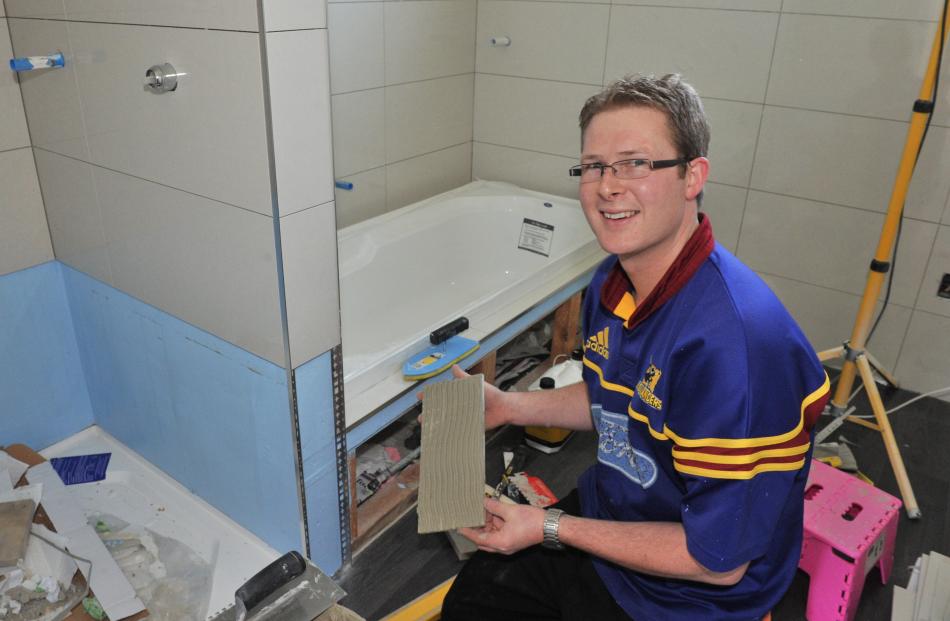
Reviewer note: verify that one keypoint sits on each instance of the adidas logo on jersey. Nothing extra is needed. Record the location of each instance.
(598, 343)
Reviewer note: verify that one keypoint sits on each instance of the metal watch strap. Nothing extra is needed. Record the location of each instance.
(552, 520)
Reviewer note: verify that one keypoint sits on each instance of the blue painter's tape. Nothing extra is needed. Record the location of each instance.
(30, 63)
(344, 185)
(21, 64)
(81, 468)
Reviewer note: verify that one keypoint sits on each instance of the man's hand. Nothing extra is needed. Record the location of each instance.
(495, 406)
(508, 528)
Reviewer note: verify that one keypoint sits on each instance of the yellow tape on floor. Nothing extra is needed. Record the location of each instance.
(426, 607)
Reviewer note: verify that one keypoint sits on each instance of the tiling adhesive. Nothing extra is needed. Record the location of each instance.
(452, 471)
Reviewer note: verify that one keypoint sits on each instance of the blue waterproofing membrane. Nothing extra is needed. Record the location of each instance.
(211, 415)
(43, 397)
(318, 446)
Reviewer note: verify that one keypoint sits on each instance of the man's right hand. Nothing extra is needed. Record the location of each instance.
(495, 406)
(495, 401)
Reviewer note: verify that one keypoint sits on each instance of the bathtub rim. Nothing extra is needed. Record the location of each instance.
(387, 392)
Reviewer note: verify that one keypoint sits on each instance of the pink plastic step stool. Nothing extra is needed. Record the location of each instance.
(850, 526)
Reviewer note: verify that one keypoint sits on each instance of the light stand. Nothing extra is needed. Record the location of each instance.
(856, 358)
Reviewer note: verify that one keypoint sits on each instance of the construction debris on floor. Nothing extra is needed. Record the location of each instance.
(927, 596)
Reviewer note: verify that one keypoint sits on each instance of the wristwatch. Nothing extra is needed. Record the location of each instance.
(552, 520)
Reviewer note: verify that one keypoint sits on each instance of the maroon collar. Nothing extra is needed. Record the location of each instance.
(617, 292)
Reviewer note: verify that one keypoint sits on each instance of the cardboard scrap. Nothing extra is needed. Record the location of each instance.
(11, 467)
(15, 519)
(111, 587)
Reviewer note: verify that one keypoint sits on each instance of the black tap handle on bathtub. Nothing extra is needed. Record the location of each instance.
(441, 335)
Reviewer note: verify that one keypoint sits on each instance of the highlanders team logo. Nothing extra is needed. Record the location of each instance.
(647, 385)
(598, 343)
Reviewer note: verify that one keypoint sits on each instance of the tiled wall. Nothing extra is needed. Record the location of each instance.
(24, 237)
(809, 103)
(168, 196)
(170, 202)
(402, 79)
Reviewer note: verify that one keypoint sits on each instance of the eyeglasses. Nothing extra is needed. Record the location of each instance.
(636, 168)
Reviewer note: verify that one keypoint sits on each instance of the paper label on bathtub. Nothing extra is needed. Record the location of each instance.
(536, 237)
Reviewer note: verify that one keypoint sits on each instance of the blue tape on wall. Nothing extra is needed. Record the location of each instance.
(210, 414)
(44, 397)
(317, 444)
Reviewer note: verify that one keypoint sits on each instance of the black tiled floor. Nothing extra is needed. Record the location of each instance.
(400, 565)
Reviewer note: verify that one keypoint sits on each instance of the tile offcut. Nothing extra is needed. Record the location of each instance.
(452, 469)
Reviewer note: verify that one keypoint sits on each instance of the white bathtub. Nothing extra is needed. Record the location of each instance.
(412, 270)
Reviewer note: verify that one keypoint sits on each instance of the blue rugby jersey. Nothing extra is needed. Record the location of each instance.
(704, 398)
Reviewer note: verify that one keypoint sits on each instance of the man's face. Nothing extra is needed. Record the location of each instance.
(636, 217)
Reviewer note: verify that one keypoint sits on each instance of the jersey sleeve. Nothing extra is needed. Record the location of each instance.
(740, 423)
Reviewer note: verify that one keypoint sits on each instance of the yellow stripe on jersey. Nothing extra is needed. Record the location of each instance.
(740, 474)
(745, 458)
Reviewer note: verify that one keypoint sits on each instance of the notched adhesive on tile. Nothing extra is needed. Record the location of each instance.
(452, 469)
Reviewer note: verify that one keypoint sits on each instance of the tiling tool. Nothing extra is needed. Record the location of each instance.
(446, 349)
(289, 589)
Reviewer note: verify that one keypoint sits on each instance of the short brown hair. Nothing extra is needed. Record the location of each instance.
(670, 95)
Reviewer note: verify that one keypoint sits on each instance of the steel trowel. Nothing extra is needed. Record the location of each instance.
(289, 589)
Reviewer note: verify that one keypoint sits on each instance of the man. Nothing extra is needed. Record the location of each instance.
(701, 387)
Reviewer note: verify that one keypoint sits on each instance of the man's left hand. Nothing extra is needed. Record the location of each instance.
(508, 528)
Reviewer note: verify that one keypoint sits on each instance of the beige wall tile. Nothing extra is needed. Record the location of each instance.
(50, 9)
(24, 236)
(745, 5)
(733, 64)
(937, 266)
(222, 14)
(207, 263)
(428, 39)
(924, 364)
(359, 131)
(426, 116)
(72, 208)
(860, 71)
(725, 205)
(536, 115)
(51, 97)
(527, 169)
(734, 127)
(829, 157)
(907, 9)
(295, 14)
(828, 245)
(826, 316)
(942, 113)
(356, 46)
(570, 47)
(930, 184)
(308, 244)
(412, 180)
(300, 107)
(206, 137)
(13, 132)
(366, 200)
